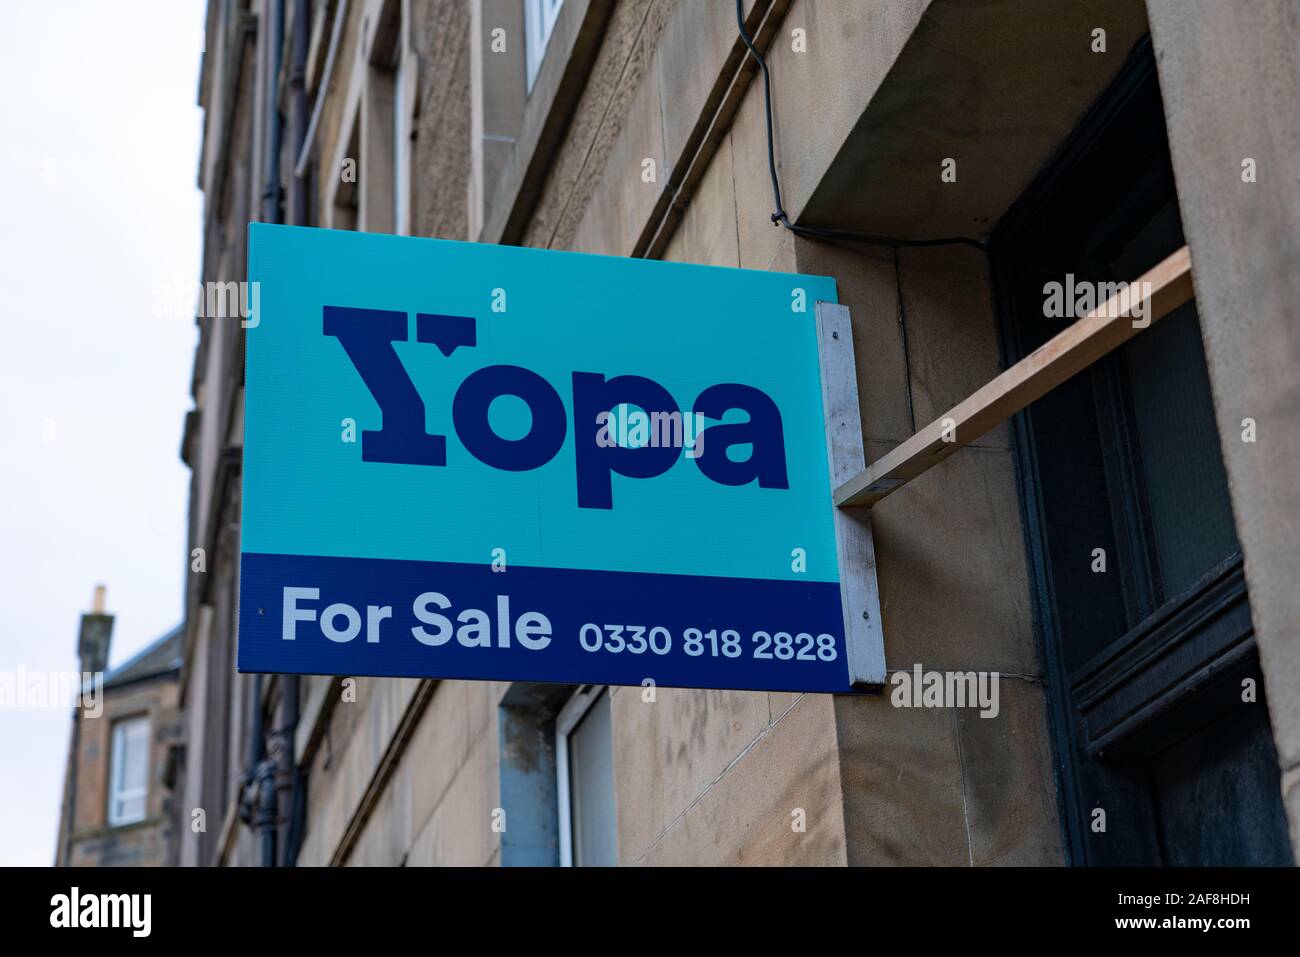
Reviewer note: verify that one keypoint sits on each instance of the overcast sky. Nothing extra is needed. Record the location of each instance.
(98, 158)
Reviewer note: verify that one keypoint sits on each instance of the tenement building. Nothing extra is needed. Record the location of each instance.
(126, 740)
(1109, 573)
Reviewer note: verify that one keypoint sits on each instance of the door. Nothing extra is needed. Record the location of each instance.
(1164, 746)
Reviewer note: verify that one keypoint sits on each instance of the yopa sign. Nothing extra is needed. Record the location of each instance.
(490, 462)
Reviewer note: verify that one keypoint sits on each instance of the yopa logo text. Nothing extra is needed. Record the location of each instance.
(74, 909)
(367, 336)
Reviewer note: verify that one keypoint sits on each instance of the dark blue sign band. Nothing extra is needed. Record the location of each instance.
(357, 616)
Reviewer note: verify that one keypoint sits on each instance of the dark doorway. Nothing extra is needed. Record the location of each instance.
(1151, 661)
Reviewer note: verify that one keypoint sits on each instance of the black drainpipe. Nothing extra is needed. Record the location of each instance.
(298, 109)
(264, 778)
(271, 774)
(288, 778)
(271, 155)
(291, 776)
(257, 801)
(260, 783)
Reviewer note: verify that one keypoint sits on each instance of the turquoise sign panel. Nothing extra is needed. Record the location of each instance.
(493, 462)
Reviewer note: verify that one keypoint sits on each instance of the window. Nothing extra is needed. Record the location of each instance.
(128, 783)
(539, 22)
(584, 752)
(557, 776)
(370, 177)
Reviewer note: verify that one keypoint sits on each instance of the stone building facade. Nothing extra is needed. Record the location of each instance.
(1149, 709)
(117, 804)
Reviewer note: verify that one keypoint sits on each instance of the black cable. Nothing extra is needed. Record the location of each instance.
(780, 217)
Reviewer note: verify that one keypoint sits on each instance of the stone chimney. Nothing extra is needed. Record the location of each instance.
(96, 633)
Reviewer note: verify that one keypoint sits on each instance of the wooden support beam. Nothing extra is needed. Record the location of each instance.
(1156, 294)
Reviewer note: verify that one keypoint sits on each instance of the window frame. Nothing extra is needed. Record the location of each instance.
(117, 795)
(540, 17)
(566, 722)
